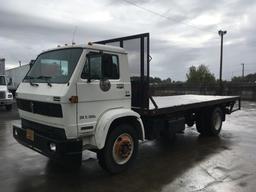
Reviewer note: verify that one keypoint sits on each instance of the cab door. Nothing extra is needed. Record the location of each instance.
(99, 89)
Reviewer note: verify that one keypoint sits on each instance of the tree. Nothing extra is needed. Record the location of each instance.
(236, 79)
(250, 78)
(155, 80)
(168, 80)
(200, 74)
(158, 80)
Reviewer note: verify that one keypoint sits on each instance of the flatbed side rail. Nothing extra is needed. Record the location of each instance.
(231, 107)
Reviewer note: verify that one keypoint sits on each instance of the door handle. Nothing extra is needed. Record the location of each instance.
(120, 86)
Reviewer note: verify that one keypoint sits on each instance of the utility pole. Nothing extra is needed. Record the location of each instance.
(221, 34)
(242, 70)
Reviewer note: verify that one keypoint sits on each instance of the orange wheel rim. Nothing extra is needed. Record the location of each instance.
(123, 148)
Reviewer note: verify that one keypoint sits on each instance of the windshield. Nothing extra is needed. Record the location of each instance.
(54, 66)
(2, 80)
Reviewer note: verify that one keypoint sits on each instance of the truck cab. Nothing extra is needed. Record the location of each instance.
(6, 98)
(70, 99)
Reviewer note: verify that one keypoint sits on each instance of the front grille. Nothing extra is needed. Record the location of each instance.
(44, 130)
(42, 108)
(2, 94)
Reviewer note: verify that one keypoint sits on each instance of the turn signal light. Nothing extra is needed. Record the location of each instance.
(73, 99)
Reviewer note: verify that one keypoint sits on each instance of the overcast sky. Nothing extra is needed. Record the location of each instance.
(185, 34)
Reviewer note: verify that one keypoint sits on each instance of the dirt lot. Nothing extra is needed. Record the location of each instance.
(192, 163)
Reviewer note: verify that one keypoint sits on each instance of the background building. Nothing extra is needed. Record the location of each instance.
(2, 66)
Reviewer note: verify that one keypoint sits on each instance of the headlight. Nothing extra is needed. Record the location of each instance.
(9, 95)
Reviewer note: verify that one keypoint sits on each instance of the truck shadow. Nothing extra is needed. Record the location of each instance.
(158, 164)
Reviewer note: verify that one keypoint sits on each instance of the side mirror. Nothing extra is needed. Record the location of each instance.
(31, 63)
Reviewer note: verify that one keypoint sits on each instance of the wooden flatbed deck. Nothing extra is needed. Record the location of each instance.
(170, 104)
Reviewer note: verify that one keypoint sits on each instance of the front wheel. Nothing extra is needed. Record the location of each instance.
(120, 149)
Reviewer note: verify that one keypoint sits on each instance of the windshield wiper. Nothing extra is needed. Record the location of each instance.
(30, 81)
(46, 78)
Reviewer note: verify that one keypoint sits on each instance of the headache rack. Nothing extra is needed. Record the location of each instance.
(138, 46)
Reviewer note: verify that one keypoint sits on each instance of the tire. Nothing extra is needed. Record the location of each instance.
(121, 149)
(201, 125)
(8, 107)
(210, 122)
(216, 122)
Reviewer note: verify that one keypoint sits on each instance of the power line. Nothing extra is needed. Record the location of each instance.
(166, 17)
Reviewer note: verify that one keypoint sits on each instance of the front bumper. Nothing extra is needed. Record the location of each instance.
(67, 149)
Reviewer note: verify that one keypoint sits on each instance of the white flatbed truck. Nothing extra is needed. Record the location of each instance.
(85, 97)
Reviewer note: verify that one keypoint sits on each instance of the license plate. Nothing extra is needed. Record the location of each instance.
(30, 134)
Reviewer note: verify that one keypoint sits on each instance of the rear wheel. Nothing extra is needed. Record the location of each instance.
(216, 121)
(120, 149)
(201, 123)
(210, 122)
